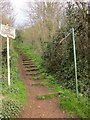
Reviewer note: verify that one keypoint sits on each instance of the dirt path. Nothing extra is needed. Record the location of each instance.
(37, 108)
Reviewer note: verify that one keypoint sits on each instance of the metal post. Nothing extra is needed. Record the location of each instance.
(8, 62)
(74, 50)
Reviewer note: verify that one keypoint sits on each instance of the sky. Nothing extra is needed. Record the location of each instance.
(20, 8)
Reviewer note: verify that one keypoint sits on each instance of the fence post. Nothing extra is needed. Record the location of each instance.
(75, 63)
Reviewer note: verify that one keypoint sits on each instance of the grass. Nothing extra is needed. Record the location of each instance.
(74, 106)
(39, 84)
(45, 97)
(16, 91)
(15, 94)
(79, 107)
(68, 101)
(27, 51)
(35, 78)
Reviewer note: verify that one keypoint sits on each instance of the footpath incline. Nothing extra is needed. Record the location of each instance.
(36, 108)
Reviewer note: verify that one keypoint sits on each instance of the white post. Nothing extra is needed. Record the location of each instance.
(8, 62)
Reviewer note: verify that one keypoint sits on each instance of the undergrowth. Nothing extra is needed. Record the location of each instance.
(15, 94)
(79, 107)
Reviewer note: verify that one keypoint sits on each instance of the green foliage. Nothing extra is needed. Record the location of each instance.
(74, 106)
(68, 101)
(59, 59)
(29, 53)
(16, 91)
(15, 94)
(59, 62)
(79, 107)
(19, 38)
(45, 97)
(10, 108)
(39, 84)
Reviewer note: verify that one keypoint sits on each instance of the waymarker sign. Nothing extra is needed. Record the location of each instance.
(7, 31)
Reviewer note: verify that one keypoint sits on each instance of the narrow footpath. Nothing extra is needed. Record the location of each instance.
(36, 108)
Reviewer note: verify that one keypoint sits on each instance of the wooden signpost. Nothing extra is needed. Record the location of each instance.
(7, 31)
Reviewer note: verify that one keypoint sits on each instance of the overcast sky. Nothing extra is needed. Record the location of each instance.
(20, 6)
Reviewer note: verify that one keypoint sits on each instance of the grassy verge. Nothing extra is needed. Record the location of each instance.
(68, 101)
(15, 95)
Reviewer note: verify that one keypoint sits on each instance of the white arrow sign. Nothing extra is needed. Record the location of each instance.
(7, 31)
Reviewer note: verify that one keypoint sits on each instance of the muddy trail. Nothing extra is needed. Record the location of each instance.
(36, 108)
